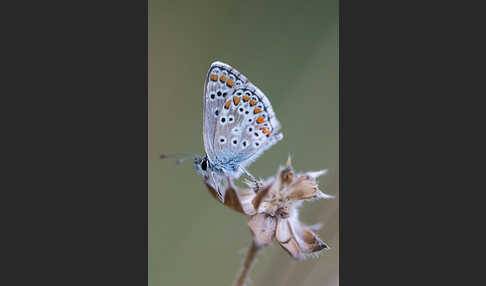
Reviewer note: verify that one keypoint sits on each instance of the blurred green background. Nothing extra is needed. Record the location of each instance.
(289, 49)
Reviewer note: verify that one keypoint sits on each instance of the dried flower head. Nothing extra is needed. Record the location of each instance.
(273, 210)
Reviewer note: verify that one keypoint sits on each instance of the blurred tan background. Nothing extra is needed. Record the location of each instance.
(289, 49)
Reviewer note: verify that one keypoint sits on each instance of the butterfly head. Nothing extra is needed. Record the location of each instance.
(212, 176)
(202, 165)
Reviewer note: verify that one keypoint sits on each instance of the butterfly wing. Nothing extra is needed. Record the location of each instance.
(239, 120)
(220, 83)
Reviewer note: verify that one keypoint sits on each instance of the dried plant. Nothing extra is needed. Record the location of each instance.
(273, 213)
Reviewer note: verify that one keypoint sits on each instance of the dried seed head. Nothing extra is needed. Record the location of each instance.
(273, 210)
(303, 189)
(263, 228)
(287, 174)
(236, 199)
(284, 212)
(298, 240)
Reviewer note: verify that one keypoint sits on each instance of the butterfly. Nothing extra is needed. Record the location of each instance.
(239, 124)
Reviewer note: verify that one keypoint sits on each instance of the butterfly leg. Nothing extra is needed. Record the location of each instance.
(257, 184)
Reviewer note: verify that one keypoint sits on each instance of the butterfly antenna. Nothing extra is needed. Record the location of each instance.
(180, 160)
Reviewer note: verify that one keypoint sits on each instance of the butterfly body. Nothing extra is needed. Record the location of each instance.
(223, 168)
(239, 124)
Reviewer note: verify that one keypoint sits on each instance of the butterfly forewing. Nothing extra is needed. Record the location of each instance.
(216, 90)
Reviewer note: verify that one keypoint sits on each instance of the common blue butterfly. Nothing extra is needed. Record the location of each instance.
(238, 125)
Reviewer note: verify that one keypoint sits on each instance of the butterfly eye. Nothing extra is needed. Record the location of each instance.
(204, 165)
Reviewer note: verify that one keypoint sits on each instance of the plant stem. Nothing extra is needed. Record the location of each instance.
(247, 264)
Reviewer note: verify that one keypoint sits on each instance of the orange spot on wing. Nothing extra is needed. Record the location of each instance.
(257, 110)
(222, 78)
(230, 82)
(260, 119)
(266, 131)
(236, 100)
(227, 104)
(252, 102)
(213, 77)
(246, 98)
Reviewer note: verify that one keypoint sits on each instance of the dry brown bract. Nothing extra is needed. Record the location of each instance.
(273, 211)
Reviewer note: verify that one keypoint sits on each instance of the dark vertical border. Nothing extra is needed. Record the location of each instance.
(341, 277)
(366, 245)
(399, 105)
(77, 155)
(370, 87)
